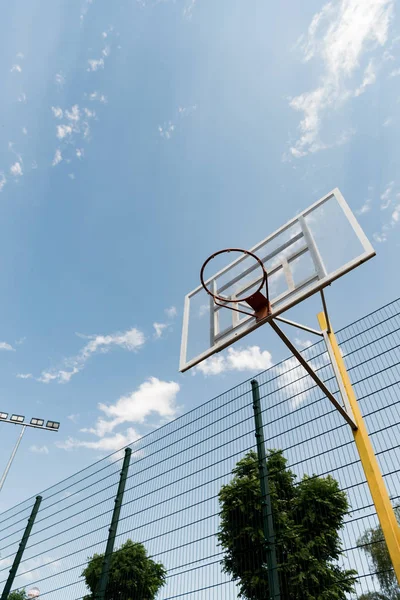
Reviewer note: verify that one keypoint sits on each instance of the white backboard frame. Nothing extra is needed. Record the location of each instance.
(295, 294)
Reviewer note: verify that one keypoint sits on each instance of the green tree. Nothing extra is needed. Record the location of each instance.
(373, 544)
(307, 514)
(133, 575)
(18, 595)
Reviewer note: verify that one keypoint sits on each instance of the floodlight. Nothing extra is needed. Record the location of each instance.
(3, 415)
(38, 422)
(52, 425)
(17, 418)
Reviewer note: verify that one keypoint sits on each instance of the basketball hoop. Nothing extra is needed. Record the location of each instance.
(256, 300)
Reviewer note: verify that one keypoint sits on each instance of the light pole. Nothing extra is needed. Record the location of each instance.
(20, 420)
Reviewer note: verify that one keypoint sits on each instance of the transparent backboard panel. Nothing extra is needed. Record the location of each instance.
(319, 245)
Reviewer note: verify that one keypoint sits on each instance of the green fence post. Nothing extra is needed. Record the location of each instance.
(21, 549)
(266, 507)
(105, 568)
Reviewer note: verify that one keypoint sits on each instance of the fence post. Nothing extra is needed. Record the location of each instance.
(105, 568)
(21, 549)
(266, 507)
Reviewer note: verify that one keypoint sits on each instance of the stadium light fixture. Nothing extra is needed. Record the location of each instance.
(3, 415)
(53, 425)
(37, 422)
(17, 418)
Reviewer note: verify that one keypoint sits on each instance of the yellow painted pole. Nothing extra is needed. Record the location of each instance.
(377, 487)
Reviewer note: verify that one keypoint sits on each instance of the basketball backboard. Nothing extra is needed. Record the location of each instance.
(322, 243)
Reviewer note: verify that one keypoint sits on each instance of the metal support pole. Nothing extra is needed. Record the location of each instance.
(105, 568)
(21, 549)
(373, 475)
(13, 453)
(266, 507)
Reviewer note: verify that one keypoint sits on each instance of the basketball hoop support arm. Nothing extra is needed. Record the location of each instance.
(304, 363)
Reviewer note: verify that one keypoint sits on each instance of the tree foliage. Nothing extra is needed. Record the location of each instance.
(18, 595)
(307, 515)
(133, 575)
(373, 544)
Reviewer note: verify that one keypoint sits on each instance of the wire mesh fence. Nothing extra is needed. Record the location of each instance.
(172, 505)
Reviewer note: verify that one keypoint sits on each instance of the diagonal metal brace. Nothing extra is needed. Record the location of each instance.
(313, 374)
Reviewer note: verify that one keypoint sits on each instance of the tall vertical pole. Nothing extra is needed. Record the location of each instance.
(13, 453)
(373, 475)
(105, 568)
(21, 549)
(266, 506)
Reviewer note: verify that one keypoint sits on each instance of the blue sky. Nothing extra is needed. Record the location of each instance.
(138, 137)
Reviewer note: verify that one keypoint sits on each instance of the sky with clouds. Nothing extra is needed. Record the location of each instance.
(137, 138)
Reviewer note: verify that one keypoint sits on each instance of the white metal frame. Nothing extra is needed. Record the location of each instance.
(311, 285)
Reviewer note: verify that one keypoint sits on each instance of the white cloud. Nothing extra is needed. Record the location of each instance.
(24, 375)
(351, 28)
(158, 329)
(106, 444)
(24, 130)
(22, 98)
(382, 236)
(89, 113)
(153, 397)
(189, 8)
(57, 157)
(395, 73)
(388, 122)
(251, 358)
(71, 176)
(95, 64)
(39, 449)
(16, 169)
(80, 152)
(73, 114)
(106, 51)
(63, 131)
(204, 309)
(57, 112)
(97, 96)
(104, 34)
(5, 346)
(74, 417)
(214, 365)
(386, 196)
(166, 130)
(20, 56)
(85, 7)
(366, 207)
(186, 111)
(131, 340)
(3, 181)
(294, 380)
(303, 343)
(171, 312)
(369, 78)
(59, 79)
(16, 68)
